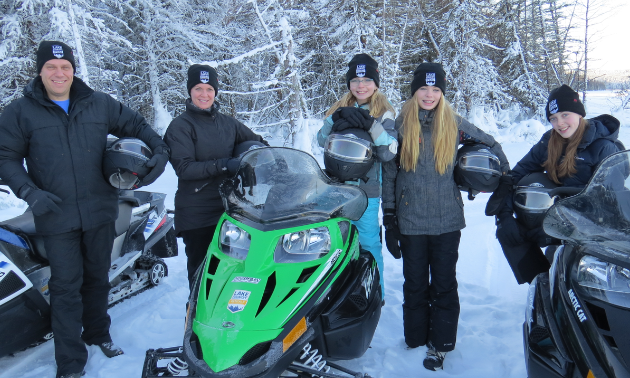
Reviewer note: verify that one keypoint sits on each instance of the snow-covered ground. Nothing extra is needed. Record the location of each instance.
(489, 340)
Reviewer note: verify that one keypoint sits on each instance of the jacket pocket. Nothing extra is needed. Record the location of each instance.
(458, 196)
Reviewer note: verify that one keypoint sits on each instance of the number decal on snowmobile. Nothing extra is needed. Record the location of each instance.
(238, 301)
(251, 280)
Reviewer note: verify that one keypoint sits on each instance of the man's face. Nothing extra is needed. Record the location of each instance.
(57, 75)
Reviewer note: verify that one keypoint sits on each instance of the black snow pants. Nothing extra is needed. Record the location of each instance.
(527, 260)
(79, 290)
(431, 306)
(197, 242)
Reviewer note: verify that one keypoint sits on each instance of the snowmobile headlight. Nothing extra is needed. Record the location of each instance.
(234, 240)
(304, 245)
(604, 280)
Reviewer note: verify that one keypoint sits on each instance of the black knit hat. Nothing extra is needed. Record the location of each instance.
(428, 74)
(202, 74)
(48, 50)
(564, 99)
(362, 65)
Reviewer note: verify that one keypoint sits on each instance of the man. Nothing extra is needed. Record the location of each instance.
(60, 127)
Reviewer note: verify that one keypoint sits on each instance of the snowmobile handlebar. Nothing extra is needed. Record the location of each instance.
(565, 191)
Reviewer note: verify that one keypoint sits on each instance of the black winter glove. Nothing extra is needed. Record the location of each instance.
(540, 238)
(228, 165)
(341, 124)
(508, 230)
(392, 233)
(41, 202)
(497, 199)
(357, 117)
(157, 163)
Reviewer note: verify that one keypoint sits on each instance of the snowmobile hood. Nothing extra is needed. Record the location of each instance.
(245, 301)
(600, 214)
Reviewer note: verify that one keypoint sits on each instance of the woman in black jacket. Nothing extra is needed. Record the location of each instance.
(585, 142)
(202, 141)
(423, 210)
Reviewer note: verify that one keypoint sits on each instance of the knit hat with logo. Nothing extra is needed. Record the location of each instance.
(363, 65)
(49, 50)
(202, 74)
(428, 75)
(564, 99)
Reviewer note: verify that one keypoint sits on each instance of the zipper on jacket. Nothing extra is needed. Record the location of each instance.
(200, 189)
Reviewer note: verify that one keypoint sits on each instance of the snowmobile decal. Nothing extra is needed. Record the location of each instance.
(238, 301)
(329, 264)
(576, 306)
(251, 280)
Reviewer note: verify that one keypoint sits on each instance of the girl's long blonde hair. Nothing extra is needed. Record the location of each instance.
(444, 135)
(556, 146)
(378, 104)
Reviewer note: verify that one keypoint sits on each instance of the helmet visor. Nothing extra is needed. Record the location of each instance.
(123, 180)
(531, 199)
(348, 148)
(133, 147)
(480, 162)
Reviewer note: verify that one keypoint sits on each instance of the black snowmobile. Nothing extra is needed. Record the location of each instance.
(145, 235)
(285, 288)
(576, 323)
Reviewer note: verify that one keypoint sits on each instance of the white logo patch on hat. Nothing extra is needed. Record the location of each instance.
(553, 107)
(57, 51)
(360, 70)
(204, 76)
(430, 79)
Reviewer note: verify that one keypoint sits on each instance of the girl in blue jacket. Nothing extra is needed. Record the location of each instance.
(364, 106)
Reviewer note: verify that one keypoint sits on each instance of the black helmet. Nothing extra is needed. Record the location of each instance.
(125, 163)
(348, 154)
(243, 147)
(531, 199)
(476, 169)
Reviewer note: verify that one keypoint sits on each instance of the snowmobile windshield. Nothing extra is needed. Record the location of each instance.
(276, 184)
(600, 214)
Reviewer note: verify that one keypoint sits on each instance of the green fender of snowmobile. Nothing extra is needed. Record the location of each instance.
(242, 303)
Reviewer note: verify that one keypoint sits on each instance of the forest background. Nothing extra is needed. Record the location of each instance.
(282, 63)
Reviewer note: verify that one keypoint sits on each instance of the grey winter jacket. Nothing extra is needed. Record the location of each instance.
(197, 138)
(426, 202)
(64, 152)
(384, 139)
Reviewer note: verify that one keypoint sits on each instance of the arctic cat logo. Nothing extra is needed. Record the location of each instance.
(360, 70)
(576, 306)
(430, 79)
(553, 107)
(57, 51)
(238, 301)
(368, 280)
(251, 280)
(204, 76)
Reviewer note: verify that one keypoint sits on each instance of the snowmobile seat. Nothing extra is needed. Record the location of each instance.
(24, 223)
(124, 216)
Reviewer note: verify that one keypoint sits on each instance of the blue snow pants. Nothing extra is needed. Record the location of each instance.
(370, 236)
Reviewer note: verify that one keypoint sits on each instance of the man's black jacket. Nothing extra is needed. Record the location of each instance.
(64, 152)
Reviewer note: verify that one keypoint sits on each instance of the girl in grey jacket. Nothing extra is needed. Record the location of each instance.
(423, 211)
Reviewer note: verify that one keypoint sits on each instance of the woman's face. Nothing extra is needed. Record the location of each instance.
(362, 88)
(428, 97)
(202, 95)
(565, 123)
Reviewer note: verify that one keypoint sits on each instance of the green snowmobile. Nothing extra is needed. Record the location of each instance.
(285, 288)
